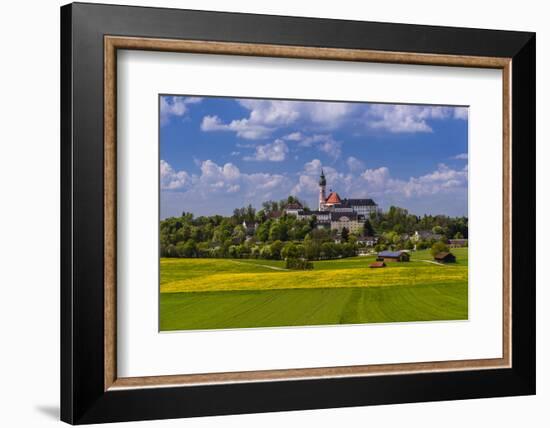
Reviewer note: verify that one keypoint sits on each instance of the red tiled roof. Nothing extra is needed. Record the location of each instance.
(333, 198)
(377, 264)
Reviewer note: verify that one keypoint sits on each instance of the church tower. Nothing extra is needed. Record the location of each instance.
(322, 195)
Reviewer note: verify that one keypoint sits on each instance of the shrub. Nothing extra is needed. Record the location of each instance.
(439, 247)
(298, 264)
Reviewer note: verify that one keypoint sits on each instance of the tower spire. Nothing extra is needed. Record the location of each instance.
(322, 195)
(322, 179)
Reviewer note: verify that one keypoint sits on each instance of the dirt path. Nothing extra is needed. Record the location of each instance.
(434, 263)
(265, 266)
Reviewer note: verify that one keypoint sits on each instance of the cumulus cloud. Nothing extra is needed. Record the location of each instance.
(331, 147)
(293, 136)
(409, 118)
(266, 116)
(220, 188)
(308, 179)
(461, 156)
(442, 180)
(271, 112)
(274, 152)
(379, 183)
(354, 164)
(460, 113)
(217, 189)
(173, 180)
(324, 143)
(175, 106)
(244, 128)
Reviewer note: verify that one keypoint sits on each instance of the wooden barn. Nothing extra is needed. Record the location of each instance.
(445, 258)
(393, 256)
(377, 265)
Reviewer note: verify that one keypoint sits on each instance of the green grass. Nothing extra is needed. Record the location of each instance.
(221, 293)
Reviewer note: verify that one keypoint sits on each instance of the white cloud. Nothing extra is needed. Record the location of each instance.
(461, 113)
(294, 136)
(461, 156)
(331, 148)
(274, 152)
(175, 106)
(379, 184)
(271, 112)
(217, 189)
(243, 127)
(409, 118)
(330, 114)
(266, 116)
(354, 164)
(378, 178)
(324, 142)
(212, 123)
(173, 180)
(442, 180)
(308, 179)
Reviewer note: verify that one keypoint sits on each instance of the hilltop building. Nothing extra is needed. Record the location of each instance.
(334, 212)
(334, 203)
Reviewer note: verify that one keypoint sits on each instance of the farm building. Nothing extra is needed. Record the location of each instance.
(457, 243)
(445, 258)
(377, 265)
(393, 256)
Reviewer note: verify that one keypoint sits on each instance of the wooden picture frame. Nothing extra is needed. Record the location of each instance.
(91, 390)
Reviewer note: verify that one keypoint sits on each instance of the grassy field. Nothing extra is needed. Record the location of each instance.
(223, 293)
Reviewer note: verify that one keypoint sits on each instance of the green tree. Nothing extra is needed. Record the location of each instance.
(289, 250)
(367, 228)
(437, 229)
(344, 234)
(262, 232)
(276, 248)
(277, 231)
(439, 247)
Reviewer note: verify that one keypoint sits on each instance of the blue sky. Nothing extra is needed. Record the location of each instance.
(217, 154)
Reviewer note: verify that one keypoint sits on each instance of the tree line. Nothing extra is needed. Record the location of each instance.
(270, 234)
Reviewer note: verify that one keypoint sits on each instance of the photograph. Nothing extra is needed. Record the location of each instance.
(281, 212)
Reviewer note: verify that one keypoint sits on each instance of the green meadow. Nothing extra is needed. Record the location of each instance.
(200, 293)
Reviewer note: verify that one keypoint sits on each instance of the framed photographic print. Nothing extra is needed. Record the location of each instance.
(265, 213)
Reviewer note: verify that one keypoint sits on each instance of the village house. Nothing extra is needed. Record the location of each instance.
(250, 227)
(425, 235)
(294, 209)
(351, 221)
(458, 243)
(368, 241)
(393, 256)
(364, 251)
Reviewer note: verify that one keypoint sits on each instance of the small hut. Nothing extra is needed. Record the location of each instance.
(393, 256)
(445, 257)
(377, 265)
